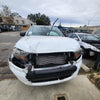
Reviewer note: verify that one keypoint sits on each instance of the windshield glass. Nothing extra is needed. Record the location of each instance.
(98, 36)
(44, 31)
(88, 37)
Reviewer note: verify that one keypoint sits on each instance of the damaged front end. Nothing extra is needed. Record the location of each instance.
(45, 68)
(90, 49)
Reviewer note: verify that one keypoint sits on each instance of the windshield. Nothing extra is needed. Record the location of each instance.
(88, 37)
(98, 36)
(44, 31)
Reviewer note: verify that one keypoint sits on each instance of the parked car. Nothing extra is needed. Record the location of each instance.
(43, 56)
(4, 28)
(97, 35)
(88, 42)
(0, 30)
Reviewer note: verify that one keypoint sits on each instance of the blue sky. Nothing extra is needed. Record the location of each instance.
(70, 12)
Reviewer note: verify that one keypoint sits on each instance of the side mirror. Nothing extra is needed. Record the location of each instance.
(22, 33)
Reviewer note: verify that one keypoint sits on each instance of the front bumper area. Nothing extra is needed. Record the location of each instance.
(50, 74)
(46, 77)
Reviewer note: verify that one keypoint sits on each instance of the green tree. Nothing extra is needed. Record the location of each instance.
(40, 22)
(40, 19)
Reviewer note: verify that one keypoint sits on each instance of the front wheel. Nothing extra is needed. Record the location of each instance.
(0, 31)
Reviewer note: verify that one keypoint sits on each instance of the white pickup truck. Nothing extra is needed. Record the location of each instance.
(43, 56)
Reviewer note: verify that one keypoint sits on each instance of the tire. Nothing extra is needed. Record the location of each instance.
(85, 52)
(0, 30)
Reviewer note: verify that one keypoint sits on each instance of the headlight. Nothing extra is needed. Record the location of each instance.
(77, 54)
(20, 54)
(93, 48)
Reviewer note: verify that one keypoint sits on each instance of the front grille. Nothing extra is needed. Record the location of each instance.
(50, 74)
(51, 59)
(45, 60)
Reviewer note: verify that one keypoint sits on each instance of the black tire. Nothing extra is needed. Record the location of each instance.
(85, 52)
(0, 30)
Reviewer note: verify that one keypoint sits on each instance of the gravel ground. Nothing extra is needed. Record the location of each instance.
(89, 62)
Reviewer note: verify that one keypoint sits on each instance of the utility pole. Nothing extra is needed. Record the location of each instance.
(88, 25)
(89, 22)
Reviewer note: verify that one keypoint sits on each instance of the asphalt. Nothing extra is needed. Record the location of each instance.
(7, 41)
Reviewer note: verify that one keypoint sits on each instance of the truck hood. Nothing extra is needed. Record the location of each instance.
(47, 44)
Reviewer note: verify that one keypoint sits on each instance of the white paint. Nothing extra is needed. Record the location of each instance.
(47, 44)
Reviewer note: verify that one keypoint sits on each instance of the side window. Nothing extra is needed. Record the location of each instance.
(74, 36)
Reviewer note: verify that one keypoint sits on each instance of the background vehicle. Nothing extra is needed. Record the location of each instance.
(97, 35)
(0, 30)
(42, 58)
(89, 43)
(4, 28)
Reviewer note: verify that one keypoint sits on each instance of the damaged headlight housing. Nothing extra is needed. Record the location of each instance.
(19, 54)
(77, 54)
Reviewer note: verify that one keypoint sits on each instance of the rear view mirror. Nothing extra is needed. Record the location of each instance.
(22, 33)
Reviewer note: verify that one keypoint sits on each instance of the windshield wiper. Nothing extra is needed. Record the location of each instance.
(53, 25)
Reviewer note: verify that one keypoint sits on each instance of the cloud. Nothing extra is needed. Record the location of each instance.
(71, 12)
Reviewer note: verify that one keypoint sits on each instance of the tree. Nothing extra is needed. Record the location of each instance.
(39, 19)
(40, 22)
(45, 19)
(7, 15)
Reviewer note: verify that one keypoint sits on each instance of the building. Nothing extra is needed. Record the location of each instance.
(18, 23)
(91, 29)
(22, 23)
(96, 29)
